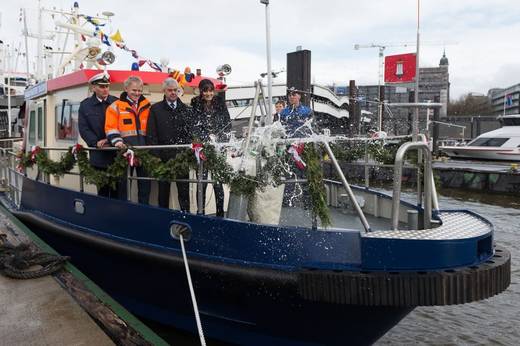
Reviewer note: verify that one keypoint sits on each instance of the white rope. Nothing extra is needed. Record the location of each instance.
(192, 292)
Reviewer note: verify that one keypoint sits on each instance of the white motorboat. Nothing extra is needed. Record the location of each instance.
(502, 144)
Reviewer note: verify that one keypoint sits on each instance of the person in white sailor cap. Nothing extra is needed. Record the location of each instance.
(91, 123)
(102, 78)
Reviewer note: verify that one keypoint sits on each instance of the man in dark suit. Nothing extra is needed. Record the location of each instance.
(169, 122)
(91, 123)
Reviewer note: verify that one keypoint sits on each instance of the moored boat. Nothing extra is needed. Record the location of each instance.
(502, 144)
(295, 281)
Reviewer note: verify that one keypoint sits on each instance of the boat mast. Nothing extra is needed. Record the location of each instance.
(26, 34)
(77, 35)
(39, 56)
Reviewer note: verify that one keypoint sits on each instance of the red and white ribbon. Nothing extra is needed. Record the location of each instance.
(130, 157)
(197, 149)
(34, 151)
(295, 150)
(378, 135)
(76, 149)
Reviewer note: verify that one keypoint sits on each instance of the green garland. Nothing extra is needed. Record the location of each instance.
(114, 173)
(314, 174)
(46, 165)
(376, 149)
(271, 172)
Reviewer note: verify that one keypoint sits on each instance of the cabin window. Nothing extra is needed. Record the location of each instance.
(32, 127)
(41, 125)
(67, 121)
(488, 142)
(511, 121)
(36, 126)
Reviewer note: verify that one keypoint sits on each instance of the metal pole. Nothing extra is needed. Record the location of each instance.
(367, 181)
(347, 187)
(81, 183)
(416, 114)
(26, 33)
(8, 94)
(200, 187)
(129, 183)
(269, 119)
(416, 94)
(379, 104)
(251, 119)
(39, 61)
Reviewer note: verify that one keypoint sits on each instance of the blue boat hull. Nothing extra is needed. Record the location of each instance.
(252, 306)
(239, 302)
(262, 284)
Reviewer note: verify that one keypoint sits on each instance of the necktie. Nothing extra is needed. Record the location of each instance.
(172, 105)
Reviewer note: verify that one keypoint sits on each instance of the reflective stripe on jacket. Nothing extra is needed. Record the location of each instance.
(123, 123)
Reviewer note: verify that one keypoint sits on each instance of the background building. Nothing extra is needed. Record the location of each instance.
(434, 84)
(505, 101)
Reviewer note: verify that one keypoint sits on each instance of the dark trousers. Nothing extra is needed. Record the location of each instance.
(143, 186)
(183, 192)
(219, 196)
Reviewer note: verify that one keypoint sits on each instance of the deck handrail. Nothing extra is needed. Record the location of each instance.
(346, 185)
(398, 172)
(312, 139)
(325, 140)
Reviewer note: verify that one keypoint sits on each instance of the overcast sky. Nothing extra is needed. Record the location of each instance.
(480, 36)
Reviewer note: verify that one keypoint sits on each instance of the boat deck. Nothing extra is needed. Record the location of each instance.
(341, 218)
(456, 225)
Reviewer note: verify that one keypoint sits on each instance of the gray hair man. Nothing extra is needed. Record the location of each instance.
(170, 123)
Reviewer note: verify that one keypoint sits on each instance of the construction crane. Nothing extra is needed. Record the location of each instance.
(381, 71)
(381, 47)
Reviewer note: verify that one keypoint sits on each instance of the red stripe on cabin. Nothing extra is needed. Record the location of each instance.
(119, 76)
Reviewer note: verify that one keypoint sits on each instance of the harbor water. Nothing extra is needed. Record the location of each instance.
(494, 321)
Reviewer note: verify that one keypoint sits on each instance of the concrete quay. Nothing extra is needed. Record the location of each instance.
(65, 308)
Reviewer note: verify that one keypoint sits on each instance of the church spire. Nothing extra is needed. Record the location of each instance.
(444, 59)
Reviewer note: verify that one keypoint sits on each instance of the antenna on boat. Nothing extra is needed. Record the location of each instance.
(91, 51)
(269, 119)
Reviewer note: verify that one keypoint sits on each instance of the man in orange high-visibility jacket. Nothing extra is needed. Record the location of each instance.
(125, 124)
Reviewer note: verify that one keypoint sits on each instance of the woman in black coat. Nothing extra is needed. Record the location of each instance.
(211, 120)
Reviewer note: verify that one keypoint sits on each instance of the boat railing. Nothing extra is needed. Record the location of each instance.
(11, 175)
(398, 172)
(11, 179)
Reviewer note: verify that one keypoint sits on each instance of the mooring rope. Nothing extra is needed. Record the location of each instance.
(192, 292)
(23, 262)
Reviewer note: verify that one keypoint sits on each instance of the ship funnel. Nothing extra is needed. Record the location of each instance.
(224, 70)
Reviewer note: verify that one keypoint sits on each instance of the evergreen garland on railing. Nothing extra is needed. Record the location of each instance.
(272, 170)
(314, 175)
